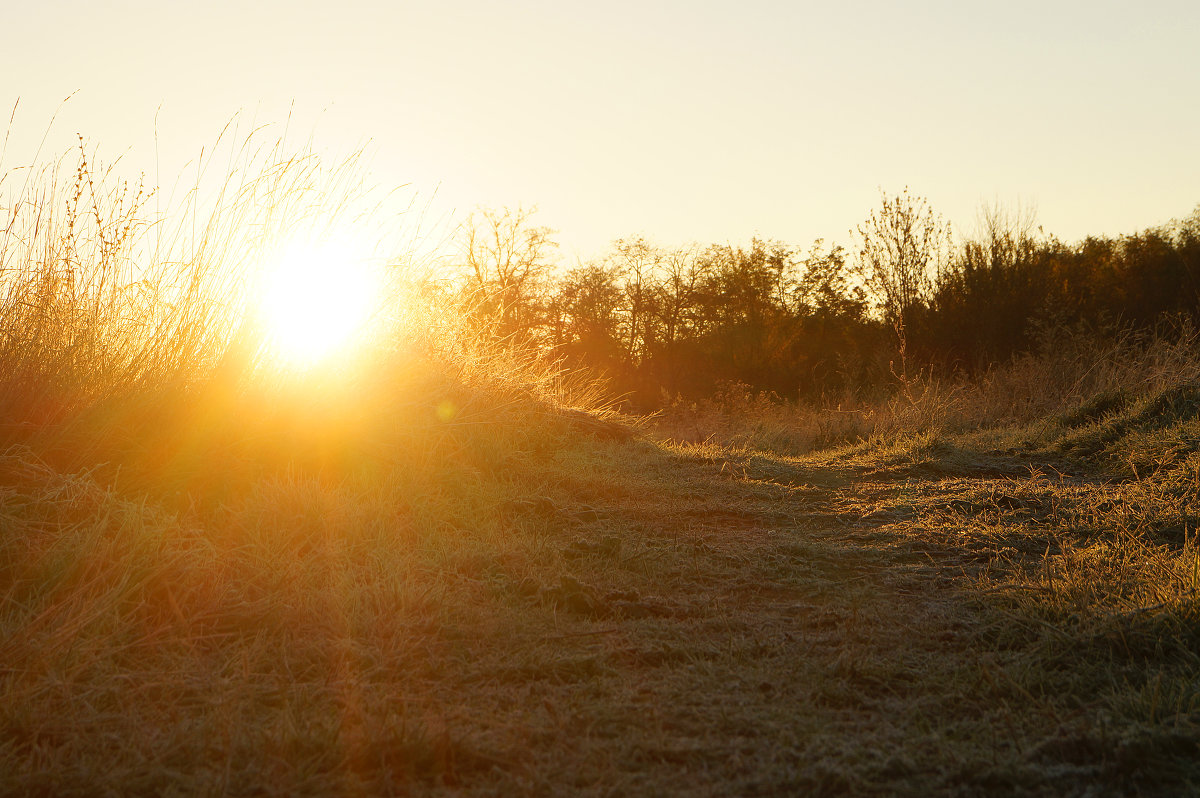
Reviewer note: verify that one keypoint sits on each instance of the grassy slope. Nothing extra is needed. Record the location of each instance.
(424, 575)
(511, 605)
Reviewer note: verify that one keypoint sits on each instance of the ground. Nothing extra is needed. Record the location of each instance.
(921, 616)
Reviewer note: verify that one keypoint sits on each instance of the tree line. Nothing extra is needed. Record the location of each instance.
(824, 321)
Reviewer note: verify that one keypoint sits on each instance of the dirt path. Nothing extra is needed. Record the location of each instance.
(808, 630)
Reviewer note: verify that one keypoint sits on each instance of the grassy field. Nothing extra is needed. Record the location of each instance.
(452, 571)
(521, 606)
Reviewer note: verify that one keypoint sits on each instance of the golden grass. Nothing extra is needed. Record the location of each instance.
(1078, 371)
(446, 567)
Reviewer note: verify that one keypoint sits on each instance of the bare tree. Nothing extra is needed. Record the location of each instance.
(506, 260)
(902, 248)
(636, 262)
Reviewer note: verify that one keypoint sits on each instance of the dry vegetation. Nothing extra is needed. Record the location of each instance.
(446, 570)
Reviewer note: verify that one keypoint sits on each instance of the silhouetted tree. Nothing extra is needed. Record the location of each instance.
(747, 325)
(824, 289)
(506, 259)
(680, 281)
(902, 249)
(586, 307)
(667, 321)
(833, 350)
(635, 265)
(986, 301)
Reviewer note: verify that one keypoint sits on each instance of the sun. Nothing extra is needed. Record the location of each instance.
(316, 298)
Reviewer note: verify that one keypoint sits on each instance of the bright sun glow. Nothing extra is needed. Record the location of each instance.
(316, 299)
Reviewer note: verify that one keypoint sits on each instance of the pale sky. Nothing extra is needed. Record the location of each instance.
(684, 121)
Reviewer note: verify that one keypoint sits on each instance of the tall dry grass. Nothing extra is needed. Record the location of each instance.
(1072, 371)
(130, 336)
(179, 507)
